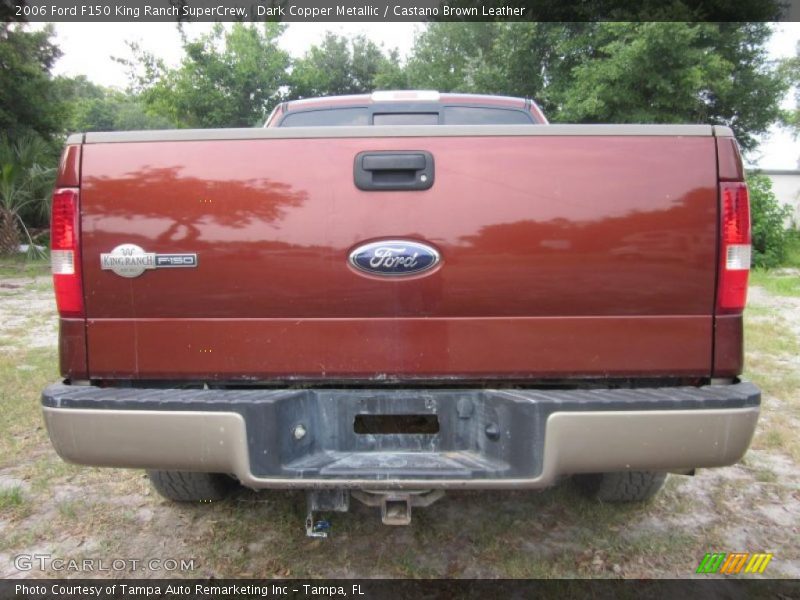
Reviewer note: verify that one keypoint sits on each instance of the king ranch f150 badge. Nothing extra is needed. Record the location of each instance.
(130, 260)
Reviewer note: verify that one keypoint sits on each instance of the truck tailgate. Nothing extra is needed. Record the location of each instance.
(583, 254)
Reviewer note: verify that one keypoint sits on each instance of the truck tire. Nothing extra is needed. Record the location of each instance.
(623, 486)
(184, 486)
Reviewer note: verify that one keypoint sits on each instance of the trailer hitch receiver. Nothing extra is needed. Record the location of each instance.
(396, 505)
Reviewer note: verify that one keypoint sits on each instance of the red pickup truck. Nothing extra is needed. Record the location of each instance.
(387, 296)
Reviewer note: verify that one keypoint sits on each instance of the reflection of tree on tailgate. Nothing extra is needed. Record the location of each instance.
(231, 203)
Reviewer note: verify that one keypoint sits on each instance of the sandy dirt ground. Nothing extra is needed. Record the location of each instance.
(74, 513)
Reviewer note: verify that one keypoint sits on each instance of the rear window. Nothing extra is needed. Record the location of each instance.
(379, 115)
(474, 115)
(405, 119)
(330, 116)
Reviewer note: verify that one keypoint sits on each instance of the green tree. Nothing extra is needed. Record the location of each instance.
(228, 78)
(791, 68)
(130, 113)
(25, 185)
(677, 72)
(392, 74)
(92, 107)
(345, 66)
(533, 60)
(769, 223)
(446, 55)
(29, 99)
(643, 72)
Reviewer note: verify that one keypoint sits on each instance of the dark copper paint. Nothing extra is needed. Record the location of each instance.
(382, 348)
(69, 167)
(552, 247)
(72, 348)
(728, 346)
(730, 160)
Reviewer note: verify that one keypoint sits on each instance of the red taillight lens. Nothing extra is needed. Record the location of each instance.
(734, 267)
(65, 253)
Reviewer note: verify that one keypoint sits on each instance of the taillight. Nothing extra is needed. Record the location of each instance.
(65, 253)
(734, 266)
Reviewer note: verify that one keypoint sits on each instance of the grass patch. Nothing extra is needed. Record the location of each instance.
(772, 350)
(792, 258)
(755, 310)
(14, 503)
(21, 427)
(11, 498)
(14, 333)
(47, 469)
(774, 438)
(765, 475)
(774, 283)
(777, 436)
(20, 266)
(771, 338)
(69, 509)
(41, 286)
(591, 540)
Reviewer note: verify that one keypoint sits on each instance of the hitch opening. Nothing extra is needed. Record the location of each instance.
(396, 506)
(396, 511)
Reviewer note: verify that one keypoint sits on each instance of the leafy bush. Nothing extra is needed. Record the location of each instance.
(25, 184)
(793, 249)
(771, 234)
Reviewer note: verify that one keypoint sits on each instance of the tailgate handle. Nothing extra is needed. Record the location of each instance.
(393, 162)
(393, 170)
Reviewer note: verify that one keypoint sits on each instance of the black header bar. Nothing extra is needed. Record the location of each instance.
(314, 11)
(381, 589)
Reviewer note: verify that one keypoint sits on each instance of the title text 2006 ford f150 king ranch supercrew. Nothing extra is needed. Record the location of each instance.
(388, 296)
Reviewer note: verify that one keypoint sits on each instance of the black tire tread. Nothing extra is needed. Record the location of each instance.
(185, 486)
(622, 486)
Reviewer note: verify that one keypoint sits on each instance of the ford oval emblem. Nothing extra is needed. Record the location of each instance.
(394, 258)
